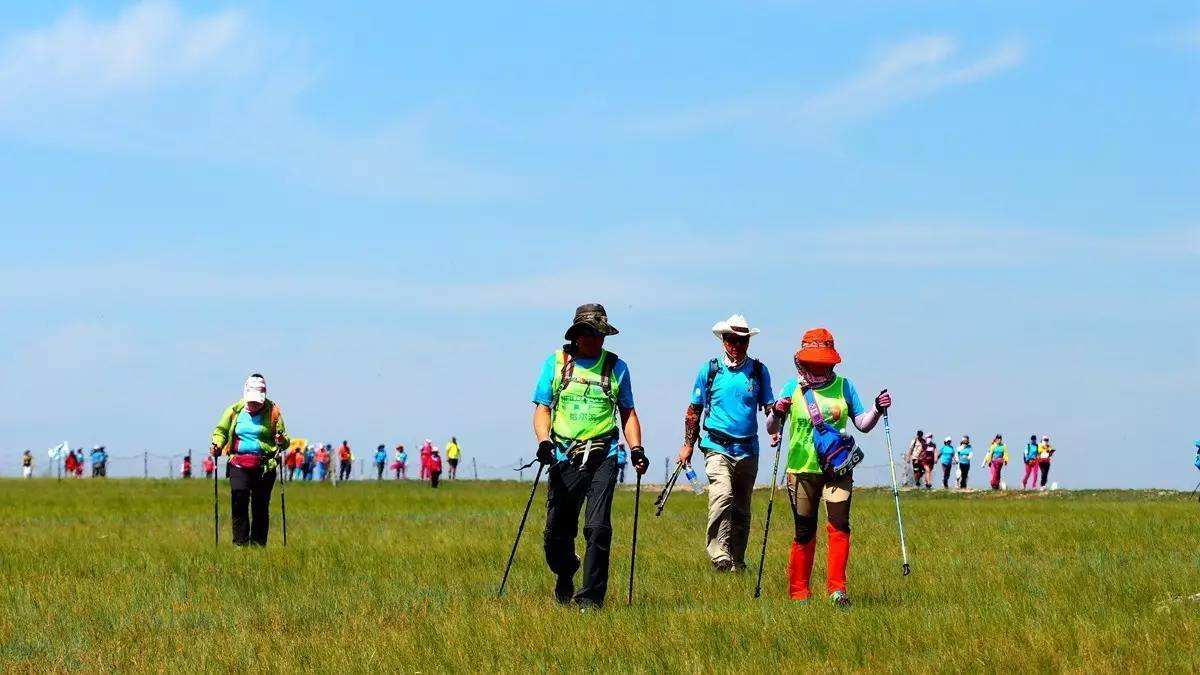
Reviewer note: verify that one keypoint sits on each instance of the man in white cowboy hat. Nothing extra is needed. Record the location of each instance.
(723, 417)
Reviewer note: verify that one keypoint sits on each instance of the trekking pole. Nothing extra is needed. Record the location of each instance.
(216, 508)
(283, 506)
(520, 529)
(637, 498)
(762, 556)
(887, 432)
(668, 488)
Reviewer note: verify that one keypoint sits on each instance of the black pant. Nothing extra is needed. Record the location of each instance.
(569, 486)
(250, 491)
(379, 470)
(344, 471)
(1045, 467)
(434, 478)
(963, 470)
(946, 475)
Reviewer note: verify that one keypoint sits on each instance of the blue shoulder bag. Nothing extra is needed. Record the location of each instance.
(837, 452)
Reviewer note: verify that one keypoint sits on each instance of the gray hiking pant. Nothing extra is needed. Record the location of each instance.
(732, 484)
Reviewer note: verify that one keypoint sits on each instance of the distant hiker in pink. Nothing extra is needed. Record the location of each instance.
(1031, 463)
(996, 458)
(426, 453)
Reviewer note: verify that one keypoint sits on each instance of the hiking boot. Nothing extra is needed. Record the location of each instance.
(723, 565)
(738, 567)
(840, 600)
(564, 589)
(587, 606)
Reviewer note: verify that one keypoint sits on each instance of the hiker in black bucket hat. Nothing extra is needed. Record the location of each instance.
(582, 403)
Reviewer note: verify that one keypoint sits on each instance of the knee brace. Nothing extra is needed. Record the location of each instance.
(806, 528)
(839, 515)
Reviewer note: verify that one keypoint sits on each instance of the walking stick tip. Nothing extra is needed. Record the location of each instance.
(907, 569)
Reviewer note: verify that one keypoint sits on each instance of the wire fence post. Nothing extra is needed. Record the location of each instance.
(666, 470)
(170, 469)
(474, 468)
(145, 464)
(521, 472)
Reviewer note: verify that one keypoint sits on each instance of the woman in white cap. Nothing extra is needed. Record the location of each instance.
(722, 416)
(251, 432)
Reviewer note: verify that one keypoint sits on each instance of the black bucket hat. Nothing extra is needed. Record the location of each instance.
(592, 316)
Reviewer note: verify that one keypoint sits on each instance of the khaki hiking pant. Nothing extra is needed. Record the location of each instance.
(806, 491)
(732, 484)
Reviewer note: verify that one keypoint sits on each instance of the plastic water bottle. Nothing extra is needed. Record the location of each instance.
(697, 487)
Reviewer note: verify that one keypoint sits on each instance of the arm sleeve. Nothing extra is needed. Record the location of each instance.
(700, 388)
(789, 389)
(766, 394)
(542, 394)
(221, 434)
(625, 388)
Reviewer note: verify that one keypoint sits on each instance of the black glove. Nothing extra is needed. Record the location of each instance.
(637, 457)
(545, 452)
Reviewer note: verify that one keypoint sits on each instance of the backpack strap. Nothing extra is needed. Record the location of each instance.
(564, 377)
(814, 411)
(606, 373)
(714, 367)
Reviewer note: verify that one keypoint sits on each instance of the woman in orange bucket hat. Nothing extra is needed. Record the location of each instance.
(808, 484)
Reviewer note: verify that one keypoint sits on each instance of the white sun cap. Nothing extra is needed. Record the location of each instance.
(255, 390)
(734, 325)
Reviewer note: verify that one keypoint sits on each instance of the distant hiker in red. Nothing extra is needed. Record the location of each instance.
(426, 452)
(72, 463)
(345, 461)
(435, 467)
(209, 466)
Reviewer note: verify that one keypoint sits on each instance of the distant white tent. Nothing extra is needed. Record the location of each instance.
(59, 451)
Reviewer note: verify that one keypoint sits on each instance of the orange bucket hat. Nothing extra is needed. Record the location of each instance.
(817, 347)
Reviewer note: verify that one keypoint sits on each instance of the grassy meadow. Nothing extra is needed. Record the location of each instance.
(123, 575)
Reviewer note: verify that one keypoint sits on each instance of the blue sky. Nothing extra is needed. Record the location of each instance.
(393, 212)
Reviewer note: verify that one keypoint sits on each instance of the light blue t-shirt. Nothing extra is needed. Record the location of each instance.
(964, 454)
(99, 456)
(946, 454)
(733, 410)
(543, 393)
(380, 456)
(248, 430)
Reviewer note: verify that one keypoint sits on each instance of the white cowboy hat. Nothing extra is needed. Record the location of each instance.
(735, 325)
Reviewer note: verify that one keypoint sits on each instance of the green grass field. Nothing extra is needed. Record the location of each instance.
(123, 575)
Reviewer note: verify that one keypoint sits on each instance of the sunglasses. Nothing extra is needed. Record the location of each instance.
(737, 339)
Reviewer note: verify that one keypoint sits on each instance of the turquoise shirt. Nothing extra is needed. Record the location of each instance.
(946, 454)
(248, 429)
(964, 454)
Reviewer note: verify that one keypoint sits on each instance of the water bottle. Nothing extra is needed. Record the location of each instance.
(697, 487)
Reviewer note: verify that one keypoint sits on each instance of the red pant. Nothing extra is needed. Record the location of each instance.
(1031, 474)
(997, 465)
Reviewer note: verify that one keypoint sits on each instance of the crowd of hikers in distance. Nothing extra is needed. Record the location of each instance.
(583, 404)
(924, 455)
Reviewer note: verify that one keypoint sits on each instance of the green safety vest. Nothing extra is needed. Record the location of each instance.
(585, 399)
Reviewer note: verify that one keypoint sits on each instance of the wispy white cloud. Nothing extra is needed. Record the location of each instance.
(905, 72)
(156, 81)
(1186, 38)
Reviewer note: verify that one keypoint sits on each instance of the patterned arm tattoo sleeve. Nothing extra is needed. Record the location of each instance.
(691, 425)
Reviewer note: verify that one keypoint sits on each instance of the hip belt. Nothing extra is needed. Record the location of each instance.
(723, 439)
